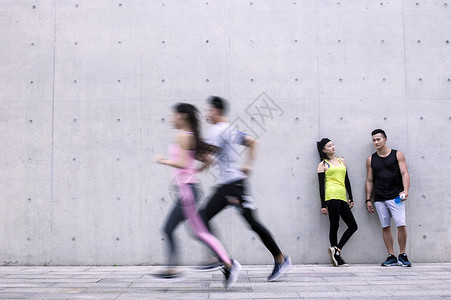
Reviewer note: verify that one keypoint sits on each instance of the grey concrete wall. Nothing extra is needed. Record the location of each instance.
(85, 92)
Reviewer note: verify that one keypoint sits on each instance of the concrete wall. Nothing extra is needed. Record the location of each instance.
(85, 92)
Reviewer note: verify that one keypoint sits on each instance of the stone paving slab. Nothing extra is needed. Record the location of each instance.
(422, 281)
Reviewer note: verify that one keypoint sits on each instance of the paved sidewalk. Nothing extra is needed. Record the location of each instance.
(422, 281)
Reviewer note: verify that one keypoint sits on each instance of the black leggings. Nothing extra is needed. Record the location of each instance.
(235, 191)
(337, 208)
(175, 217)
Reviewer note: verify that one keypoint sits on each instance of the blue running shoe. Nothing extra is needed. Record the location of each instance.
(391, 261)
(403, 260)
(280, 269)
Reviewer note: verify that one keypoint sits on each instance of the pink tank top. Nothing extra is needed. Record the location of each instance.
(187, 174)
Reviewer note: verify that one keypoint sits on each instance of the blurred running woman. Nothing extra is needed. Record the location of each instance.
(184, 151)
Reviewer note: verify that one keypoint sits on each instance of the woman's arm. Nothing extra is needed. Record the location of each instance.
(349, 190)
(347, 181)
(184, 140)
(322, 190)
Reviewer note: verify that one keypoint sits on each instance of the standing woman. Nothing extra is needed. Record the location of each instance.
(333, 184)
(184, 151)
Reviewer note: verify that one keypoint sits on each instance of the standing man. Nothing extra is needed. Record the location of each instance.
(388, 177)
(233, 185)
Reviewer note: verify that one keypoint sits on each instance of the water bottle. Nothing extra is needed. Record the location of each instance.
(399, 199)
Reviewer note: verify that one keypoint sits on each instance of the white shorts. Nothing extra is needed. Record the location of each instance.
(389, 208)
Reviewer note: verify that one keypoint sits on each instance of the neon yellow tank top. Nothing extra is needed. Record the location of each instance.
(335, 181)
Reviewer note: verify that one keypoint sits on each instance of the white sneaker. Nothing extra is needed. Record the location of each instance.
(332, 252)
(232, 274)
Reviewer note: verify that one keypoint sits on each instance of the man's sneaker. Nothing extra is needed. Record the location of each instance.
(391, 261)
(210, 267)
(340, 261)
(280, 269)
(332, 252)
(403, 260)
(231, 275)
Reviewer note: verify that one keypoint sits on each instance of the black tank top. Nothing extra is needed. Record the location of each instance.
(386, 176)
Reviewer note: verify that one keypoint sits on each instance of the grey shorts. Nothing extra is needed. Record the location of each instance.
(388, 209)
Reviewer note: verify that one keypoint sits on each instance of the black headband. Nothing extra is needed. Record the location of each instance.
(322, 143)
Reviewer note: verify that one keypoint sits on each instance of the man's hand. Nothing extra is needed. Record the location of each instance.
(246, 169)
(324, 211)
(351, 204)
(406, 195)
(369, 207)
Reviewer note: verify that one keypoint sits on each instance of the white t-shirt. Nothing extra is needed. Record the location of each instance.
(222, 136)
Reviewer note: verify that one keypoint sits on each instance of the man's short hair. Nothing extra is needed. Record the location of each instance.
(376, 131)
(218, 103)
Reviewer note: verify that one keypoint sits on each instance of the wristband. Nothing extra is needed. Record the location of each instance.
(367, 200)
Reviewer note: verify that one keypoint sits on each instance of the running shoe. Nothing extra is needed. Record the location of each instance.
(210, 267)
(226, 273)
(332, 252)
(391, 261)
(340, 261)
(280, 269)
(403, 260)
(168, 276)
(231, 275)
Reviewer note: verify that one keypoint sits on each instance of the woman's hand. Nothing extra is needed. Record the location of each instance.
(324, 211)
(351, 204)
(159, 159)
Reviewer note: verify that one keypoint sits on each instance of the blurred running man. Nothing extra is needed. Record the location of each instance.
(232, 189)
